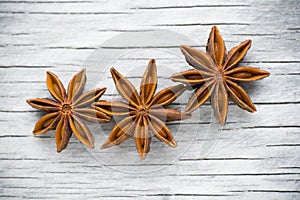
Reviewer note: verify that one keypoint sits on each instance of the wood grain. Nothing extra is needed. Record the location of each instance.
(257, 155)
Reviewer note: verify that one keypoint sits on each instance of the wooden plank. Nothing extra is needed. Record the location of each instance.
(256, 156)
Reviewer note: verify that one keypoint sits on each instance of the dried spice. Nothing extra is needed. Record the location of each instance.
(216, 75)
(65, 113)
(144, 113)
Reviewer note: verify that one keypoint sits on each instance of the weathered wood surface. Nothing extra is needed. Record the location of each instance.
(257, 155)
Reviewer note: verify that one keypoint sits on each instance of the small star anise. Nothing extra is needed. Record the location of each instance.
(65, 113)
(215, 75)
(145, 111)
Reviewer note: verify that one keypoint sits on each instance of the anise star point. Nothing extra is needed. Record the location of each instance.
(144, 113)
(65, 112)
(216, 74)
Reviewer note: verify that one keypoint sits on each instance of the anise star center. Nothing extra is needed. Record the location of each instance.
(66, 108)
(219, 74)
(143, 110)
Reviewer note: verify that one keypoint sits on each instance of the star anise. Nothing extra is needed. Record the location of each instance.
(216, 75)
(65, 113)
(144, 112)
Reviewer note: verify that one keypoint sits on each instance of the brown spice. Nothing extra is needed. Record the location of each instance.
(144, 112)
(67, 109)
(216, 75)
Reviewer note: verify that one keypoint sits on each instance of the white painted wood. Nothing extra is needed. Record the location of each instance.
(257, 155)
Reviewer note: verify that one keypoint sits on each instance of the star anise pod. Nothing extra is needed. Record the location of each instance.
(216, 75)
(144, 113)
(65, 112)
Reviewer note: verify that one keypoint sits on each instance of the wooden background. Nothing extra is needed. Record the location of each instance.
(257, 155)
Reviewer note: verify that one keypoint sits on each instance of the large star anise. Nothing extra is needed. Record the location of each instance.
(65, 113)
(144, 112)
(216, 75)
